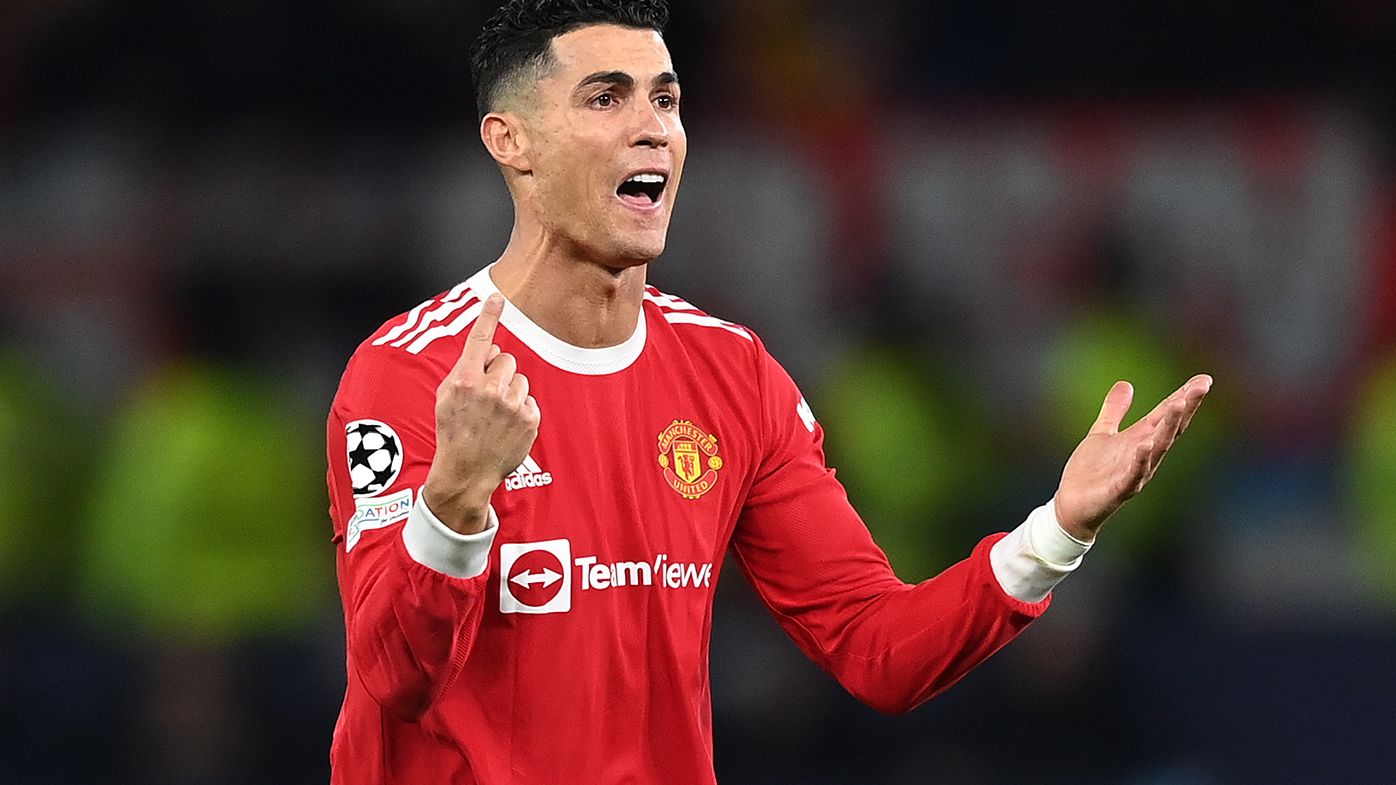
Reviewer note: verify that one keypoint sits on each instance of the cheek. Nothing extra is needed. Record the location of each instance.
(679, 145)
(570, 173)
(559, 181)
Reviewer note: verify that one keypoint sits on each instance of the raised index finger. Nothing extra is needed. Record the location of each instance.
(476, 351)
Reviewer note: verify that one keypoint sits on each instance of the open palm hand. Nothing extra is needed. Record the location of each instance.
(1111, 465)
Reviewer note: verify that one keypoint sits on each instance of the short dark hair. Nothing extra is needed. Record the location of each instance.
(519, 35)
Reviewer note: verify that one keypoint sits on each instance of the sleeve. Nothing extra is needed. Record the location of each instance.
(413, 590)
(815, 566)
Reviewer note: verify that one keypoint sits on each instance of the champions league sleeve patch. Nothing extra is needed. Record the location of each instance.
(376, 513)
(375, 456)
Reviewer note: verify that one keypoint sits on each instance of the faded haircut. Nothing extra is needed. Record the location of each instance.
(516, 42)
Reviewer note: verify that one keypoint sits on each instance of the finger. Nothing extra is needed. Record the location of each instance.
(1165, 435)
(476, 352)
(518, 389)
(531, 409)
(1168, 430)
(1112, 412)
(1139, 470)
(1201, 385)
(1161, 410)
(500, 372)
(494, 352)
(1175, 417)
(1156, 415)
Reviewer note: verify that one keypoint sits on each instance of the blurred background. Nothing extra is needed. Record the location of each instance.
(956, 223)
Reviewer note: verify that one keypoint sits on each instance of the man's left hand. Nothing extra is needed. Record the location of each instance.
(1111, 465)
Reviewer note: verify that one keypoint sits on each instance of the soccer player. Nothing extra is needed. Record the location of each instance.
(535, 475)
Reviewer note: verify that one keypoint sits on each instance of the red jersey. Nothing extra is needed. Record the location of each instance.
(572, 646)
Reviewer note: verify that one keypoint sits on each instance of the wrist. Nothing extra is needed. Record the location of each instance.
(1078, 533)
(1066, 539)
(463, 510)
(1072, 527)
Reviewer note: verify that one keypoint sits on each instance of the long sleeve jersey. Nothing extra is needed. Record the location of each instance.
(568, 643)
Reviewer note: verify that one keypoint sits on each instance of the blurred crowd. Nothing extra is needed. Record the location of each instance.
(956, 223)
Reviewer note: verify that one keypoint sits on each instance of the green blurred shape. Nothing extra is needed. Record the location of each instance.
(206, 522)
(39, 471)
(1372, 481)
(904, 451)
(1102, 346)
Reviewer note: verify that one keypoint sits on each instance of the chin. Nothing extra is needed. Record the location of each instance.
(632, 251)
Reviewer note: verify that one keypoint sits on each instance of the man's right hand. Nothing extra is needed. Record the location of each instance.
(485, 425)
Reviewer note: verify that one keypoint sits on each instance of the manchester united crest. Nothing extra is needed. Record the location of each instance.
(688, 456)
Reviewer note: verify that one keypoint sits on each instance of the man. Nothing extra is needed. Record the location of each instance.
(528, 597)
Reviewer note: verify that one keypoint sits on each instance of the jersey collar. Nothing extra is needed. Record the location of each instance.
(555, 351)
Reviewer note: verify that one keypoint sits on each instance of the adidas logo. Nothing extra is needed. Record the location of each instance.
(528, 475)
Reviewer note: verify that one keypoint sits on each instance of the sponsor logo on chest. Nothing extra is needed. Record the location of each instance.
(538, 577)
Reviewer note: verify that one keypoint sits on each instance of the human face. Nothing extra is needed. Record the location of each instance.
(608, 147)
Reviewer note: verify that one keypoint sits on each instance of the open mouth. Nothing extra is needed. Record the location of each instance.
(643, 190)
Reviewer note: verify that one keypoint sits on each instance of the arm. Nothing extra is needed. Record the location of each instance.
(813, 563)
(413, 583)
(815, 566)
(891, 645)
(409, 617)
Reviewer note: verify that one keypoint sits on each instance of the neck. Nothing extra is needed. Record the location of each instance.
(578, 300)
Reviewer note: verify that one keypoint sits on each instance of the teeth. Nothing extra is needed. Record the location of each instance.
(646, 178)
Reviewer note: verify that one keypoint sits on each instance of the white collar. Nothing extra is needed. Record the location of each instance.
(559, 353)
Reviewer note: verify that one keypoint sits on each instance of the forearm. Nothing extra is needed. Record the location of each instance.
(890, 644)
(415, 605)
(914, 642)
(921, 640)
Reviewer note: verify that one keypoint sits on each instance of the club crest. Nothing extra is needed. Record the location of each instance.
(688, 456)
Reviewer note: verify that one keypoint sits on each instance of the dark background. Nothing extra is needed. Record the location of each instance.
(955, 222)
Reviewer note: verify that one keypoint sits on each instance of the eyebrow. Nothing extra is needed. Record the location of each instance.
(622, 79)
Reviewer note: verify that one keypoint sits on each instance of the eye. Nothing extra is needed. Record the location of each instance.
(667, 101)
(604, 100)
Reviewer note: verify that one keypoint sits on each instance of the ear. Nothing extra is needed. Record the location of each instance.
(506, 140)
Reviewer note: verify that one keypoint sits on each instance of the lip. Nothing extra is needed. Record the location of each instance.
(634, 203)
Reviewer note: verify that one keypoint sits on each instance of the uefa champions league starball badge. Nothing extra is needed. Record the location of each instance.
(375, 456)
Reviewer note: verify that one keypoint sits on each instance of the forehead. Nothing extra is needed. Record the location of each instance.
(595, 48)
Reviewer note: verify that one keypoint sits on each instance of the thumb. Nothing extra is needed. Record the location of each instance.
(1112, 412)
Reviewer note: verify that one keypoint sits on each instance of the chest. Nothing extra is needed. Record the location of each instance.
(648, 461)
(633, 485)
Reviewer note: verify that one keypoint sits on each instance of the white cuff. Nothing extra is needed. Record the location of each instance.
(1036, 556)
(432, 544)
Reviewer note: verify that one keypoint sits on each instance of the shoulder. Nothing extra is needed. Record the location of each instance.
(731, 355)
(731, 350)
(411, 351)
(699, 329)
(428, 326)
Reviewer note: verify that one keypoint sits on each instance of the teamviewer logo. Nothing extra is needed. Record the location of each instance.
(534, 577)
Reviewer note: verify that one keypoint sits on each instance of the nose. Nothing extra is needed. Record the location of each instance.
(651, 127)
